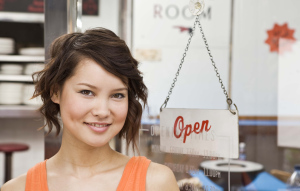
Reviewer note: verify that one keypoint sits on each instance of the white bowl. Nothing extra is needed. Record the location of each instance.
(11, 87)
(12, 69)
(6, 41)
(34, 51)
(6, 46)
(11, 66)
(10, 101)
(11, 93)
(28, 90)
(6, 50)
(31, 68)
(11, 98)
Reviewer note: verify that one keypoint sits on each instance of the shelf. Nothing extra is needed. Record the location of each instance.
(21, 58)
(19, 111)
(22, 17)
(15, 78)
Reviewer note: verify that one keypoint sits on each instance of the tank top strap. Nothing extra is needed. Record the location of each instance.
(36, 178)
(134, 175)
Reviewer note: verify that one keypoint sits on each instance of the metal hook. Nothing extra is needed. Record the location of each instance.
(164, 105)
(229, 102)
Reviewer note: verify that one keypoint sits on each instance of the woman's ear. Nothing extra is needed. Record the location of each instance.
(55, 96)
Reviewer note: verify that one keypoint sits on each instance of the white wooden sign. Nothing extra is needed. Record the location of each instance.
(211, 133)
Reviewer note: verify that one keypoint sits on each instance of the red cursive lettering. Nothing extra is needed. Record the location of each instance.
(179, 125)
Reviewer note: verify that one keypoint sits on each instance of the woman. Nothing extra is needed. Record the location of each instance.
(93, 84)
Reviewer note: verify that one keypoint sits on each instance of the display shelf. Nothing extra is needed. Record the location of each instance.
(15, 78)
(21, 58)
(22, 17)
(19, 111)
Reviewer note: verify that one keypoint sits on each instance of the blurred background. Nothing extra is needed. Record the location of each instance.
(254, 45)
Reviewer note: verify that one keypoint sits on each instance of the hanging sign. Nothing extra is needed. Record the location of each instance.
(211, 133)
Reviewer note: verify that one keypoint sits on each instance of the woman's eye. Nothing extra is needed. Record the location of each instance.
(86, 92)
(118, 96)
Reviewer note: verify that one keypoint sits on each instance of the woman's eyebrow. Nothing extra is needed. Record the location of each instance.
(120, 89)
(89, 85)
(94, 87)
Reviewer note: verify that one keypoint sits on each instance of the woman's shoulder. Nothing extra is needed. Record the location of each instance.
(160, 177)
(16, 184)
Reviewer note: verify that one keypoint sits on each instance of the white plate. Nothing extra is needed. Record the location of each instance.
(38, 51)
(10, 101)
(12, 92)
(4, 86)
(31, 68)
(11, 69)
(235, 166)
(11, 72)
(6, 46)
(11, 95)
(6, 41)
(28, 91)
(6, 51)
(11, 66)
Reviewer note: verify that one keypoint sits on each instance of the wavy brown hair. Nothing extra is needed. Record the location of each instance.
(109, 51)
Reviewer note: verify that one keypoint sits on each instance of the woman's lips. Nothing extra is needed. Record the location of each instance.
(98, 127)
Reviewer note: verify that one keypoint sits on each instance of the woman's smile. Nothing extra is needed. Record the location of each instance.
(98, 127)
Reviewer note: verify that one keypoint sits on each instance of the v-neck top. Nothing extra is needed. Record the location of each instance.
(133, 177)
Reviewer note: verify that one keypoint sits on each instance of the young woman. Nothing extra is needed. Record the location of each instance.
(93, 84)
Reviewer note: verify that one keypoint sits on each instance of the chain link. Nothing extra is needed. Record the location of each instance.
(180, 65)
(212, 61)
(228, 100)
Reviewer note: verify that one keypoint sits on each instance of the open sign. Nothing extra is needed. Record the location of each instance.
(190, 129)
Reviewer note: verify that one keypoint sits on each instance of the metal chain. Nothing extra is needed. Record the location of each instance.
(212, 61)
(228, 100)
(180, 65)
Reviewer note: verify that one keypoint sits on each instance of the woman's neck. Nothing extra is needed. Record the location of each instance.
(82, 160)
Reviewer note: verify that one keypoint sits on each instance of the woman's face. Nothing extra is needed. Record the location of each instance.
(93, 104)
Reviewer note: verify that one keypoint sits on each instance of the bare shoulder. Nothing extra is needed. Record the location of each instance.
(16, 184)
(160, 177)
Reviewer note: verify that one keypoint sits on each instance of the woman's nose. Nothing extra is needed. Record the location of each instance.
(101, 108)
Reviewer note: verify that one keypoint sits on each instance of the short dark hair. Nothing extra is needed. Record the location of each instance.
(109, 51)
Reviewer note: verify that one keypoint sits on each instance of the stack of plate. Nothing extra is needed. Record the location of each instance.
(11, 93)
(11, 69)
(28, 90)
(34, 67)
(6, 46)
(32, 51)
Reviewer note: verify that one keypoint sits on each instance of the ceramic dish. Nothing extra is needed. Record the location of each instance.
(6, 41)
(6, 100)
(5, 86)
(11, 98)
(6, 50)
(11, 93)
(33, 51)
(31, 68)
(28, 90)
(11, 69)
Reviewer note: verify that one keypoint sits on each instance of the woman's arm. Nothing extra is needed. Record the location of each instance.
(160, 177)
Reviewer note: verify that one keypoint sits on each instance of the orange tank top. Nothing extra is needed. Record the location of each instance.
(133, 178)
